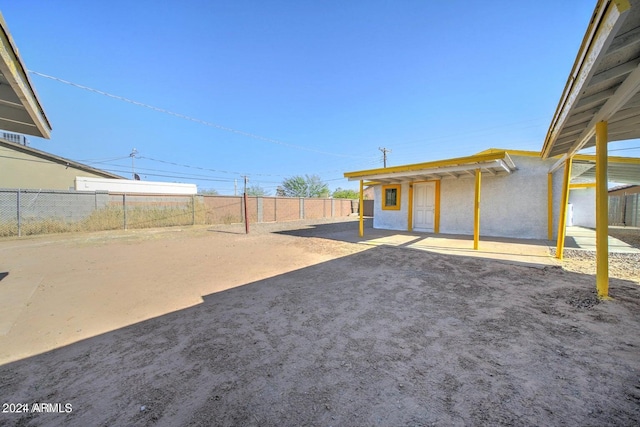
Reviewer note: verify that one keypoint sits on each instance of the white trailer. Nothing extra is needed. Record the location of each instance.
(129, 186)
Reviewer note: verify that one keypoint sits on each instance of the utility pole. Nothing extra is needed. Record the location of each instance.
(384, 154)
(133, 156)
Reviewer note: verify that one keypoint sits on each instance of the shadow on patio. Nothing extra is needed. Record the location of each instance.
(519, 251)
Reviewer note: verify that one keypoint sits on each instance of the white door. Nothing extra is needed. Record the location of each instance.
(424, 203)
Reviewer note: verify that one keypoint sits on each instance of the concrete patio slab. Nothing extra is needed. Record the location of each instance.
(518, 251)
(585, 239)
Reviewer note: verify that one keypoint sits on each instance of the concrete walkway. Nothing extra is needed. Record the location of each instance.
(585, 239)
(535, 253)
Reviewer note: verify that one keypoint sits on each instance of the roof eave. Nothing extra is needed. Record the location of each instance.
(12, 67)
(607, 19)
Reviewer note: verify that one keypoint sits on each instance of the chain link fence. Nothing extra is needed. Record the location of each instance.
(28, 212)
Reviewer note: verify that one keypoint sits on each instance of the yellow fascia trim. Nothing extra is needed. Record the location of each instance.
(582, 185)
(398, 187)
(511, 152)
(428, 165)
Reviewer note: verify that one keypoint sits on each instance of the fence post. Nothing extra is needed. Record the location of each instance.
(260, 203)
(124, 210)
(193, 210)
(301, 208)
(333, 208)
(18, 213)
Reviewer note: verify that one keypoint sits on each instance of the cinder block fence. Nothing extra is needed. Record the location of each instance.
(25, 212)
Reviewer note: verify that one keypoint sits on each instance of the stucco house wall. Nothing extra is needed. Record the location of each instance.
(391, 219)
(510, 206)
(584, 206)
(28, 168)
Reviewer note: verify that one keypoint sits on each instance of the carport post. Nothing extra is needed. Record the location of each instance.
(549, 206)
(602, 212)
(361, 209)
(564, 202)
(476, 211)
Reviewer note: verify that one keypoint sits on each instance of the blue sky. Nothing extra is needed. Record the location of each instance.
(302, 87)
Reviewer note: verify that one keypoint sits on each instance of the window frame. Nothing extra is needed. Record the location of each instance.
(398, 188)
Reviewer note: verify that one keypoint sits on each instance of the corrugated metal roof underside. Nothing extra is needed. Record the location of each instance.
(20, 109)
(603, 86)
(626, 173)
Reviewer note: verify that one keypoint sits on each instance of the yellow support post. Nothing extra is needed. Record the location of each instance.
(564, 203)
(410, 213)
(602, 212)
(361, 208)
(476, 212)
(436, 220)
(549, 206)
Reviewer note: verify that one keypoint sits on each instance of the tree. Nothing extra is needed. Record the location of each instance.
(256, 191)
(307, 186)
(209, 192)
(345, 194)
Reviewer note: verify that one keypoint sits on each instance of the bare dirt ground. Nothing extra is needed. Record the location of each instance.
(321, 333)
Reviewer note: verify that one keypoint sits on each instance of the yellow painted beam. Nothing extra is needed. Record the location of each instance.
(361, 208)
(476, 212)
(564, 202)
(549, 206)
(410, 210)
(602, 212)
(436, 220)
(582, 185)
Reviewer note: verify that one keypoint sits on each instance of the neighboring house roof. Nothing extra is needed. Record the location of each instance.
(603, 84)
(20, 109)
(496, 163)
(56, 159)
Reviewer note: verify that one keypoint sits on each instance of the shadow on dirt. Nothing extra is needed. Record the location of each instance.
(380, 337)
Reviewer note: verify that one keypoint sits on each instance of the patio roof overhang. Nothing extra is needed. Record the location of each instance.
(20, 109)
(603, 84)
(624, 170)
(496, 163)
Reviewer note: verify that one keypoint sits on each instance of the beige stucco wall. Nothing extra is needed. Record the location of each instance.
(22, 170)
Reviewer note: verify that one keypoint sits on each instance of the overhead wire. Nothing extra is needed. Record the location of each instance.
(189, 118)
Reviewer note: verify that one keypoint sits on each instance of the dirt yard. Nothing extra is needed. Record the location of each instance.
(208, 326)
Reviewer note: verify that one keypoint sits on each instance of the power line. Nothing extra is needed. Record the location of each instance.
(185, 117)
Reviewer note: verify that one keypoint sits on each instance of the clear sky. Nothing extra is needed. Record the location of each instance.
(286, 88)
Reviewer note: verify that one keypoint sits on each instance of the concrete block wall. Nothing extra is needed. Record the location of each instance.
(60, 205)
